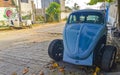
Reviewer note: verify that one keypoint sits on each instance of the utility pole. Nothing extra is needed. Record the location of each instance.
(19, 6)
(44, 11)
(118, 4)
(33, 12)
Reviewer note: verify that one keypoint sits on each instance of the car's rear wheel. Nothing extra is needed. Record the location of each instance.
(55, 49)
(108, 58)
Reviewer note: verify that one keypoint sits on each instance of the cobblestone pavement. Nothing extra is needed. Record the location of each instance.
(17, 57)
(26, 48)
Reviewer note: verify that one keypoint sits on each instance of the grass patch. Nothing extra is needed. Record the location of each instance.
(4, 28)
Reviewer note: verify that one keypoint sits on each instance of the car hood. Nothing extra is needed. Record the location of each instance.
(81, 39)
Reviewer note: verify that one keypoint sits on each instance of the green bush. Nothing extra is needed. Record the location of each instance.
(53, 12)
(26, 17)
(2, 23)
(39, 18)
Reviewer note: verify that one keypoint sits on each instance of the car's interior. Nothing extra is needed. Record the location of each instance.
(83, 18)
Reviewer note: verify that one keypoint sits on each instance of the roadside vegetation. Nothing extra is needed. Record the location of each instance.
(53, 12)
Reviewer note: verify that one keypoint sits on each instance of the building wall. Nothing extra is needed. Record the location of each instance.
(40, 12)
(113, 15)
(26, 8)
(4, 7)
(6, 3)
(64, 15)
(113, 10)
(46, 3)
(3, 15)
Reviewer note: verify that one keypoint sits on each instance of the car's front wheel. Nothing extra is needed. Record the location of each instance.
(55, 49)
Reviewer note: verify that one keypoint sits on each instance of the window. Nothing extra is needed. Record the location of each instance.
(25, 1)
(72, 19)
(82, 18)
(92, 19)
(86, 17)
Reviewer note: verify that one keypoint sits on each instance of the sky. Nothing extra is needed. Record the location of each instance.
(38, 3)
(70, 3)
(81, 3)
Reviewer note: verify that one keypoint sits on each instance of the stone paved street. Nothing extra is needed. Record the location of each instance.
(26, 48)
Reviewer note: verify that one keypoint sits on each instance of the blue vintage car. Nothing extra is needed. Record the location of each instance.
(84, 41)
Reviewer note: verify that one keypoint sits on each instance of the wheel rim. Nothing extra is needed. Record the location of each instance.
(112, 59)
(58, 53)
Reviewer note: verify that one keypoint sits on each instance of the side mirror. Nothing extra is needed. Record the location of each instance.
(116, 34)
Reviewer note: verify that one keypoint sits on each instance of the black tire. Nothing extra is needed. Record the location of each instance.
(98, 51)
(108, 58)
(55, 49)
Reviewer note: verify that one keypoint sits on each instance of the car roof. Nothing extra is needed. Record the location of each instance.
(88, 10)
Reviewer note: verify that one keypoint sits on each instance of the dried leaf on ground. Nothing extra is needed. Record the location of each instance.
(94, 73)
(41, 73)
(51, 68)
(14, 73)
(51, 62)
(46, 66)
(26, 70)
(54, 65)
(97, 69)
(61, 69)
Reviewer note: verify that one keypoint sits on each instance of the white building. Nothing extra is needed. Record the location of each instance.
(113, 14)
(26, 6)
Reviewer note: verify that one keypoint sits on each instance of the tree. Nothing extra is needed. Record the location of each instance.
(118, 3)
(53, 12)
(76, 7)
(96, 1)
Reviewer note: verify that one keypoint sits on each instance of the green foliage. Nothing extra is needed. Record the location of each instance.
(26, 17)
(96, 1)
(13, 2)
(4, 16)
(2, 22)
(39, 18)
(53, 12)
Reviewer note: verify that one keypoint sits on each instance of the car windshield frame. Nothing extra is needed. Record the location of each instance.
(97, 16)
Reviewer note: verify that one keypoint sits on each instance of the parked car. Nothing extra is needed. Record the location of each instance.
(84, 41)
